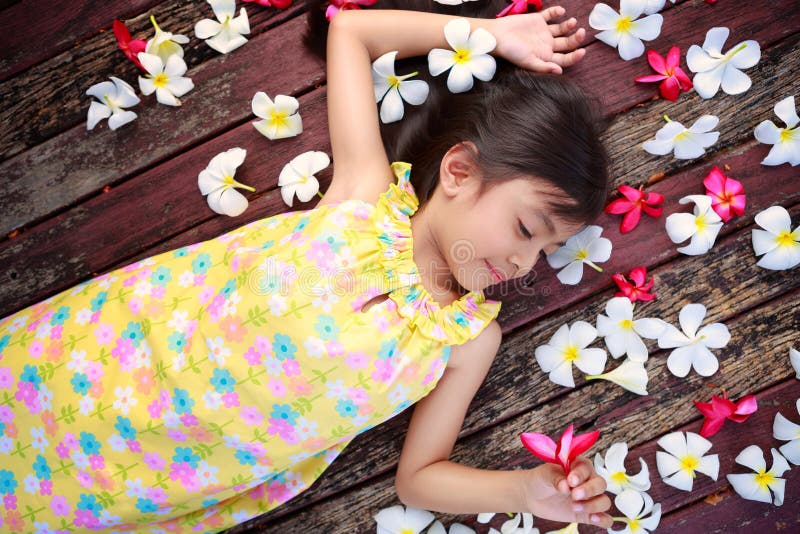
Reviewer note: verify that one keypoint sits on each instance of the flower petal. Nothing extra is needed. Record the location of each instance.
(120, 118)
(180, 86)
(784, 109)
(734, 81)
(715, 40)
(391, 107)
(649, 328)
(747, 56)
(667, 464)
(680, 361)
(456, 32)
(548, 357)
(752, 457)
(630, 47)
(414, 91)
(571, 274)
(540, 445)
(560, 257)
(681, 226)
(680, 480)
(482, 67)
(783, 257)
(630, 503)
(581, 334)
(774, 219)
(591, 361)
(698, 60)
(165, 97)
(97, 112)
(562, 375)
(481, 42)
(674, 443)
(603, 17)
(747, 487)
(460, 79)
(715, 335)
(766, 132)
(599, 250)
(690, 318)
(439, 60)
(384, 65)
(647, 28)
(707, 83)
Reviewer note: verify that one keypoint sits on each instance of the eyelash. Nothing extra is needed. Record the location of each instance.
(524, 231)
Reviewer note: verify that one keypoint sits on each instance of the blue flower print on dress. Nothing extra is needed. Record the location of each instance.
(326, 328)
(31, 374)
(161, 277)
(177, 341)
(146, 505)
(245, 457)
(185, 454)
(89, 503)
(60, 317)
(301, 224)
(125, 428)
(80, 383)
(222, 381)
(134, 333)
(228, 288)
(201, 263)
(98, 301)
(4, 342)
(285, 412)
(7, 482)
(346, 408)
(89, 444)
(181, 401)
(387, 349)
(283, 347)
(41, 468)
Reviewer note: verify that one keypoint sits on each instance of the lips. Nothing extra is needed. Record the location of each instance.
(494, 271)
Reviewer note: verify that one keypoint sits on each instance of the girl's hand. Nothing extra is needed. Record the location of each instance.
(530, 42)
(579, 497)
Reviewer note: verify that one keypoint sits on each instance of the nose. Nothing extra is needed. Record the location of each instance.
(524, 260)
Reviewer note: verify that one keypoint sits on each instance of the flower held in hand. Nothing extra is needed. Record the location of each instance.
(518, 7)
(562, 453)
(670, 74)
(469, 56)
(721, 408)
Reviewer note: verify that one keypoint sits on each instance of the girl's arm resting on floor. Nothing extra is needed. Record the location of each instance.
(427, 479)
(358, 37)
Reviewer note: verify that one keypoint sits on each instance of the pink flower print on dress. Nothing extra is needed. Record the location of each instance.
(46, 487)
(277, 387)
(291, 367)
(252, 356)
(135, 306)
(6, 415)
(356, 360)
(84, 479)
(104, 334)
(334, 349)
(383, 371)
(321, 253)
(36, 349)
(251, 416)
(230, 399)
(284, 429)
(176, 435)
(154, 461)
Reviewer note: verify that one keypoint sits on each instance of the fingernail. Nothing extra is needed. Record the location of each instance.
(580, 494)
(577, 507)
(595, 519)
(573, 480)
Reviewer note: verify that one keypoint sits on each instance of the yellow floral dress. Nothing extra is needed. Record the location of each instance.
(204, 386)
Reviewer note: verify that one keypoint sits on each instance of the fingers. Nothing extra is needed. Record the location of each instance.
(599, 519)
(567, 60)
(539, 65)
(571, 42)
(595, 505)
(552, 13)
(562, 28)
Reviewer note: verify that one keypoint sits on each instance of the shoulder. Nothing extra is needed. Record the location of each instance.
(478, 352)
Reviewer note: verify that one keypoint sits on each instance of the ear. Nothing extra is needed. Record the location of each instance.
(458, 168)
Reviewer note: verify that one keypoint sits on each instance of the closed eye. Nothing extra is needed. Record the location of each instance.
(524, 231)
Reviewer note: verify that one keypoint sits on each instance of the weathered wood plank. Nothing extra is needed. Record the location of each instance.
(77, 163)
(51, 97)
(55, 32)
(516, 385)
(768, 330)
(684, 25)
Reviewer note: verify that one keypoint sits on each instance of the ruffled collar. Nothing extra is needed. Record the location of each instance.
(454, 323)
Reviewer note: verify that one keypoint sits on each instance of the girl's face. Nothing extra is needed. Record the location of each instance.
(498, 234)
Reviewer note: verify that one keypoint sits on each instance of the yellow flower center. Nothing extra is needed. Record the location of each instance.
(764, 479)
(393, 81)
(787, 134)
(462, 55)
(681, 136)
(634, 524)
(624, 24)
(582, 255)
(736, 50)
(689, 464)
(228, 179)
(700, 222)
(785, 239)
(619, 477)
(278, 119)
(571, 353)
(627, 324)
(160, 80)
(406, 531)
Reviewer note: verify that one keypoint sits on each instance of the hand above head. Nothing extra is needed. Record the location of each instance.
(532, 42)
(579, 497)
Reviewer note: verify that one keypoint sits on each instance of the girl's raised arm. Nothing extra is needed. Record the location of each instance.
(358, 37)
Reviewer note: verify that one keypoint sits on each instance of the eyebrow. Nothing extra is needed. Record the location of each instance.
(546, 220)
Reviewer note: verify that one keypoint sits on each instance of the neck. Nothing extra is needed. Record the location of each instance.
(434, 272)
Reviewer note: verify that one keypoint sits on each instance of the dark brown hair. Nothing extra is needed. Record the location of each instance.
(522, 123)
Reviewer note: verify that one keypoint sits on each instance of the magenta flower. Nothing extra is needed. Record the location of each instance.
(334, 6)
(518, 7)
(563, 452)
(670, 74)
(131, 47)
(280, 4)
(638, 288)
(721, 408)
(727, 195)
(634, 202)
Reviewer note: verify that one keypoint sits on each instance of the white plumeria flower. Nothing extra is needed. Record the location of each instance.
(469, 56)
(687, 143)
(622, 333)
(227, 34)
(394, 89)
(629, 374)
(165, 44)
(584, 247)
(684, 458)
(217, 182)
(399, 520)
(568, 346)
(794, 357)
(513, 526)
(702, 225)
(572, 528)
(786, 430)
(113, 96)
(654, 6)
(166, 80)
(777, 242)
(280, 118)
(613, 470)
(622, 30)
(297, 176)
(756, 486)
(636, 507)
(714, 68)
(786, 141)
(455, 528)
(691, 345)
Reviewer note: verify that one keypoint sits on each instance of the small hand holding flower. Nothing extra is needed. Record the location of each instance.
(577, 497)
(533, 42)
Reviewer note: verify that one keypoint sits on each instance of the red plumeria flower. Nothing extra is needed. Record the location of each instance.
(721, 408)
(670, 74)
(563, 452)
(633, 204)
(131, 47)
(280, 4)
(334, 6)
(727, 195)
(638, 290)
(519, 7)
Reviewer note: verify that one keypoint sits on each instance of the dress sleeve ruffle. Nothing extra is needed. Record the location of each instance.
(453, 324)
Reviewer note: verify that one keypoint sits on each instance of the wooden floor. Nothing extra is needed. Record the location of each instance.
(75, 204)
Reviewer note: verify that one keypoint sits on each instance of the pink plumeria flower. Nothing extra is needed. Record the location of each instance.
(334, 6)
(518, 7)
(727, 195)
(670, 74)
(562, 453)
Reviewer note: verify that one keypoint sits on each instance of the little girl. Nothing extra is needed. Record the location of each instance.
(201, 387)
